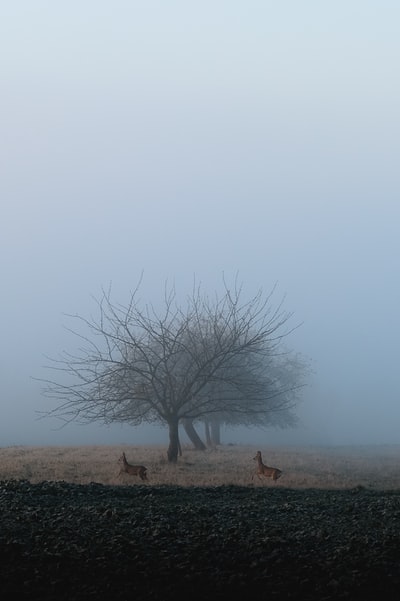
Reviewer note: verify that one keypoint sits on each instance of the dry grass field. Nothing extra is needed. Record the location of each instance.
(375, 467)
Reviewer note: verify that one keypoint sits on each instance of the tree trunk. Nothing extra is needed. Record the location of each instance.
(215, 432)
(174, 444)
(193, 436)
(207, 433)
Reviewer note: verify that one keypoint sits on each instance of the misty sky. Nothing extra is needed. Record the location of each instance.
(200, 138)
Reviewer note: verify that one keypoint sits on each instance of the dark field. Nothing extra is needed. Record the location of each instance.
(68, 541)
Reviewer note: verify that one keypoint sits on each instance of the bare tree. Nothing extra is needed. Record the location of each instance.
(138, 364)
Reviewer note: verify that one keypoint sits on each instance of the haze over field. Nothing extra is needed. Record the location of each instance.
(191, 140)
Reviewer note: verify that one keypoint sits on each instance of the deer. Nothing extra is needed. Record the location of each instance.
(265, 470)
(133, 470)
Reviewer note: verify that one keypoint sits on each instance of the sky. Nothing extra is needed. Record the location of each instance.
(194, 139)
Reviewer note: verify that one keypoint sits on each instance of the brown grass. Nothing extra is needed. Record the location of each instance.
(303, 467)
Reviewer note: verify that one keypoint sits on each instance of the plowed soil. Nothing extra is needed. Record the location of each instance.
(72, 542)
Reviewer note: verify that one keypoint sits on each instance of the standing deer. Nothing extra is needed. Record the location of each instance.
(264, 470)
(134, 470)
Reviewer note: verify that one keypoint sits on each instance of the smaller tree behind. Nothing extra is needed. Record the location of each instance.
(283, 376)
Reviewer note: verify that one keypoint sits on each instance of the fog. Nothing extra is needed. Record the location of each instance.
(183, 140)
